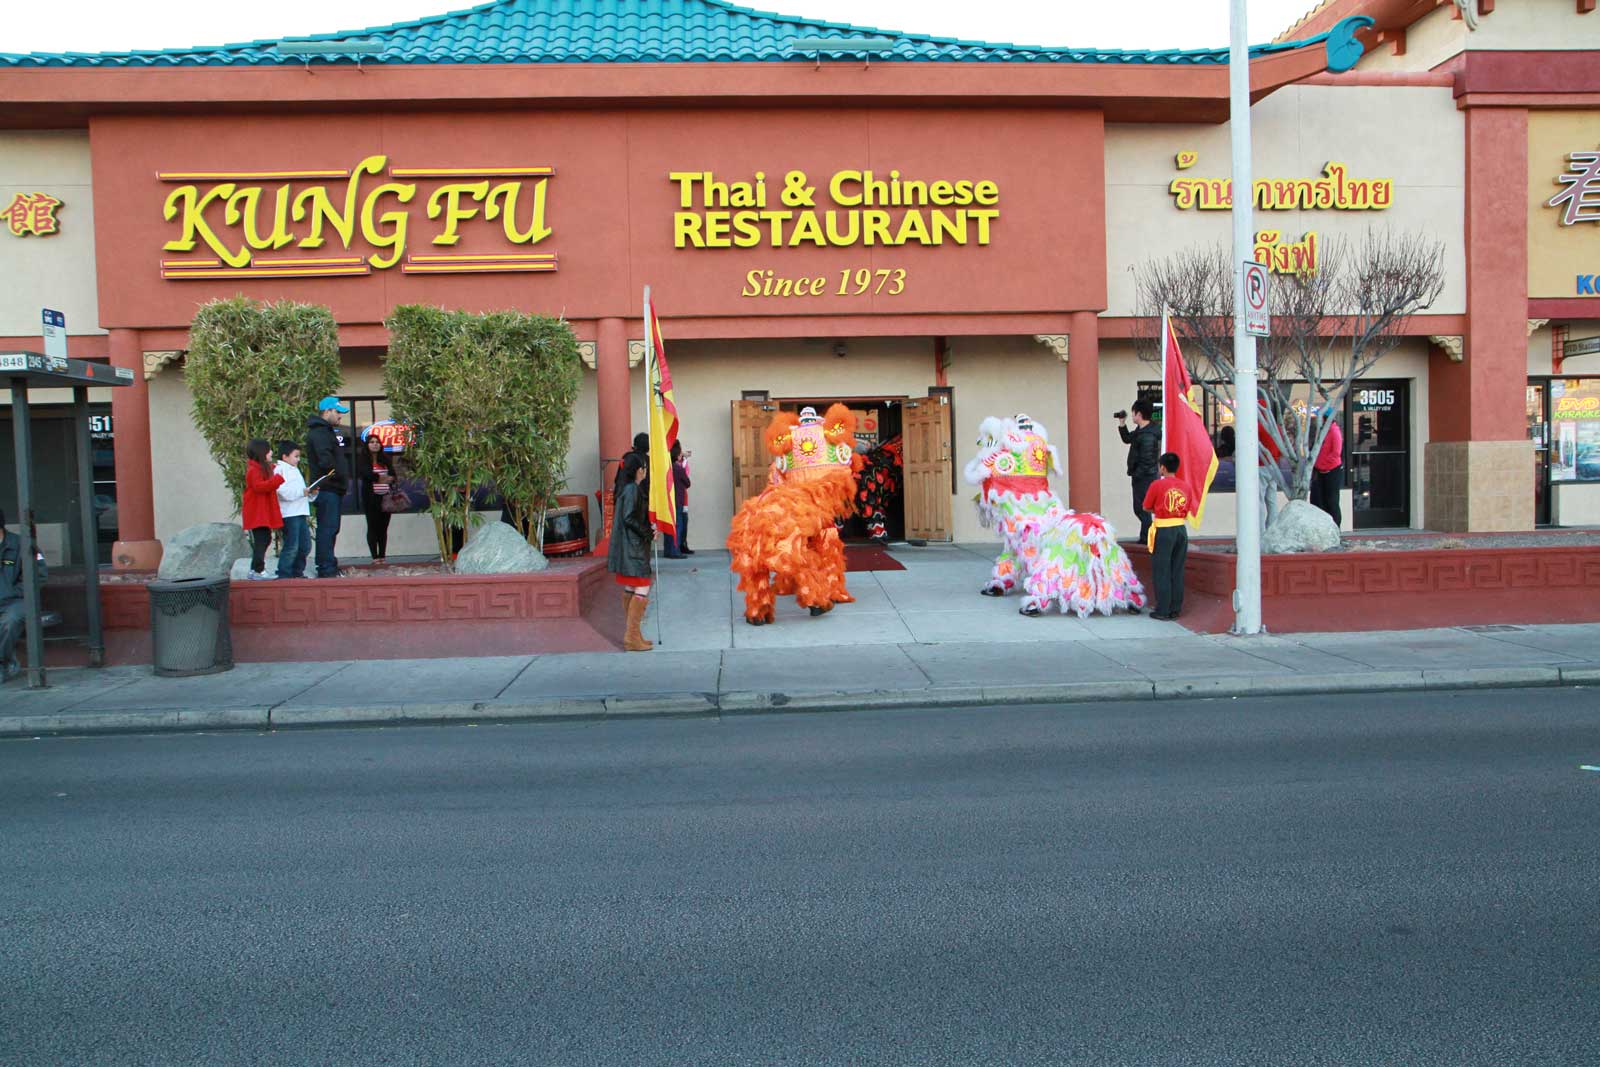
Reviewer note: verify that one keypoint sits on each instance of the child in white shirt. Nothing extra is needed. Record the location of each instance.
(295, 504)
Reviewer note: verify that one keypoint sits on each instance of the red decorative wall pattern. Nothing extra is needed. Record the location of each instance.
(1381, 574)
(554, 594)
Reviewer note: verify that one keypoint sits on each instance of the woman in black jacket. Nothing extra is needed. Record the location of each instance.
(629, 554)
(375, 475)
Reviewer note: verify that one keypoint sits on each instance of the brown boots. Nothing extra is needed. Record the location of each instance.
(634, 608)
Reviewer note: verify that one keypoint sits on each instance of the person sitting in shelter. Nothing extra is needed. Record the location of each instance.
(13, 609)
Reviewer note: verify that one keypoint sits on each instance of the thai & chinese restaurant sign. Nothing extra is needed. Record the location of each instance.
(727, 213)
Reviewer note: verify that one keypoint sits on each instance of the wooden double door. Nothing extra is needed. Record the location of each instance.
(925, 429)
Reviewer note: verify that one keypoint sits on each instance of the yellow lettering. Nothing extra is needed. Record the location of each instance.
(752, 283)
(686, 231)
(187, 198)
(454, 213)
(951, 223)
(395, 239)
(875, 225)
(508, 192)
(686, 180)
(718, 224)
(837, 191)
(322, 209)
(982, 217)
(913, 227)
(250, 200)
(807, 228)
(843, 237)
(986, 193)
(746, 233)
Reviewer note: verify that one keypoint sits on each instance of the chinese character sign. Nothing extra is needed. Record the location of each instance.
(32, 213)
(1581, 195)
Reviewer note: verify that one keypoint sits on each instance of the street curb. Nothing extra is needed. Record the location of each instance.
(704, 705)
(1242, 685)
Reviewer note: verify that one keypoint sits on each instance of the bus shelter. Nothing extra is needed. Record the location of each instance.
(26, 371)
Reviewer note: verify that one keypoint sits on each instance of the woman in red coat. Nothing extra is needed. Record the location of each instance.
(259, 508)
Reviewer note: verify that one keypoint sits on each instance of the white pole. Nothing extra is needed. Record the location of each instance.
(1247, 490)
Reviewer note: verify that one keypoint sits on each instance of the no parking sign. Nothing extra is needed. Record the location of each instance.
(1256, 320)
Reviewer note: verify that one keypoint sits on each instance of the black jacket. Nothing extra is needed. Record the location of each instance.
(11, 570)
(1144, 452)
(631, 534)
(328, 449)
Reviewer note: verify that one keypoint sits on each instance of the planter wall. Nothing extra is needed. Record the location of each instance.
(554, 594)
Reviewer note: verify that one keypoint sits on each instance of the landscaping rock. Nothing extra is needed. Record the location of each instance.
(1300, 527)
(241, 567)
(497, 548)
(204, 551)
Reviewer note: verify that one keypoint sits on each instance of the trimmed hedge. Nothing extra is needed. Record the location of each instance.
(490, 399)
(257, 370)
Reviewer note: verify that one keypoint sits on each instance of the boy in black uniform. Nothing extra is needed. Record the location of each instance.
(1168, 502)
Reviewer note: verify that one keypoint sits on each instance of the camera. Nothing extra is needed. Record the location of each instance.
(1123, 414)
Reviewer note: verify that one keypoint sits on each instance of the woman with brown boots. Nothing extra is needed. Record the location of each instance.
(629, 555)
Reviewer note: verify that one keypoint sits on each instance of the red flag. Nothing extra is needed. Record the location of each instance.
(1183, 429)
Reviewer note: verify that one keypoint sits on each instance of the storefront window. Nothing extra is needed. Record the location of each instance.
(1574, 442)
(55, 481)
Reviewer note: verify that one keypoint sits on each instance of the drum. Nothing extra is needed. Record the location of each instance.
(566, 530)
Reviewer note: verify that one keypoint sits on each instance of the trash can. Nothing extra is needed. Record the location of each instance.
(189, 626)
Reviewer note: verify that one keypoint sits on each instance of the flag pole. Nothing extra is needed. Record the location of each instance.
(1166, 403)
(652, 398)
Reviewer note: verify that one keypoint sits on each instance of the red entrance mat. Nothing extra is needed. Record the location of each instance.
(870, 558)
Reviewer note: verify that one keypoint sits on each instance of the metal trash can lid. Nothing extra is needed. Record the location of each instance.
(188, 585)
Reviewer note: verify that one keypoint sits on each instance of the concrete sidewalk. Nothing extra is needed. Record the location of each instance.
(981, 669)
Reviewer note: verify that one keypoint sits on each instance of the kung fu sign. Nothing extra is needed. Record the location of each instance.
(305, 223)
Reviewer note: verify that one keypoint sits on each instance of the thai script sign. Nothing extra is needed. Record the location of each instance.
(867, 208)
(32, 214)
(1286, 256)
(231, 219)
(1581, 196)
(1334, 191)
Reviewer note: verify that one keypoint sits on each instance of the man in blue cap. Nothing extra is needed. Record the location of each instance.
(328, 453)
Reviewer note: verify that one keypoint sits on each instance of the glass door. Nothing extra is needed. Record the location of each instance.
(1378, 454)
(1539, 434)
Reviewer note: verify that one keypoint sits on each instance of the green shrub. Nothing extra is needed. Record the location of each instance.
(257, 370)
(489, 398)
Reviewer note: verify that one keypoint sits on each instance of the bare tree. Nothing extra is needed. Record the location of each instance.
(1329, 328)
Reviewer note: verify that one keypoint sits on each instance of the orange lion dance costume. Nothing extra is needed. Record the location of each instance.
(785, 540)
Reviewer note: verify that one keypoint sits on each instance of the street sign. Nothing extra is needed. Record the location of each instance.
(1257, 322)
(55, 338)
(1585, 346)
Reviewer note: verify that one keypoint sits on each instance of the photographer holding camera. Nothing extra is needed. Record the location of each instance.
(1144, 454)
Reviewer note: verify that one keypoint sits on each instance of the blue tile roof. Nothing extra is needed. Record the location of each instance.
(614, 31)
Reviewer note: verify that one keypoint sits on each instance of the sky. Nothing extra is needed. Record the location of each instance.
(120, 25)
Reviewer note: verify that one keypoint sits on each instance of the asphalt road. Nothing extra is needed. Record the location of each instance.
(1400, 879)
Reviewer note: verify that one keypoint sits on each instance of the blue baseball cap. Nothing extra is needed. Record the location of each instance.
(331, 403)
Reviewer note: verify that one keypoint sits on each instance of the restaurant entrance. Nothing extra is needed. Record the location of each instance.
(904, 442)
(1378, 450)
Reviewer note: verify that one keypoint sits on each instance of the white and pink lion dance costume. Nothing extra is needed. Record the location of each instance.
(1055, 554)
